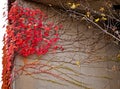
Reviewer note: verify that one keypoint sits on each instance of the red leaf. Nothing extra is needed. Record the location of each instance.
(47, 28)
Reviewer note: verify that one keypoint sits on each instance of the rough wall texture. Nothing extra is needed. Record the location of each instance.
(84, 63)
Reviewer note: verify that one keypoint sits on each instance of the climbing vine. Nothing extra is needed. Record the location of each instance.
(28, 33)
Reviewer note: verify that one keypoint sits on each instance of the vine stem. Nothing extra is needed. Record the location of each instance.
(105, 31)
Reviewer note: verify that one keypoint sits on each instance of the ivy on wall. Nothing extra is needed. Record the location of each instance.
(29, 32)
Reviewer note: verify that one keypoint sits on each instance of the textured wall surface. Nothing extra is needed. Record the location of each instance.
(85, 62)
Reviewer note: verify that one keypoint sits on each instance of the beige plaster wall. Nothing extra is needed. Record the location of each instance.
(84, 64)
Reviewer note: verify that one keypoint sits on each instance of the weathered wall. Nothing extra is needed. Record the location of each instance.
(84, 63)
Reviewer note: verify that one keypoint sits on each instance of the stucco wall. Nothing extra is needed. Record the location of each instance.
(85, 62)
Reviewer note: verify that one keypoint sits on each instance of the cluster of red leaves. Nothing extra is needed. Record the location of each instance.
(28, 32)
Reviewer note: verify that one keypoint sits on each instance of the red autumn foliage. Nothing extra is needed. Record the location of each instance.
(28, 33)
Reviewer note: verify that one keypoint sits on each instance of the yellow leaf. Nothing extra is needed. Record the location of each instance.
(103, 15)
(102, 9)
(118, 56)
(88, 14)
(73, 5)
(96, 20)
(78, 4)
(103, 18)
(78, 63)
(69, 3)
(89, 27)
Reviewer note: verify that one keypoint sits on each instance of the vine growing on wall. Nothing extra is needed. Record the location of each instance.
(27, 33)
(105, 16)
(30, 32)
